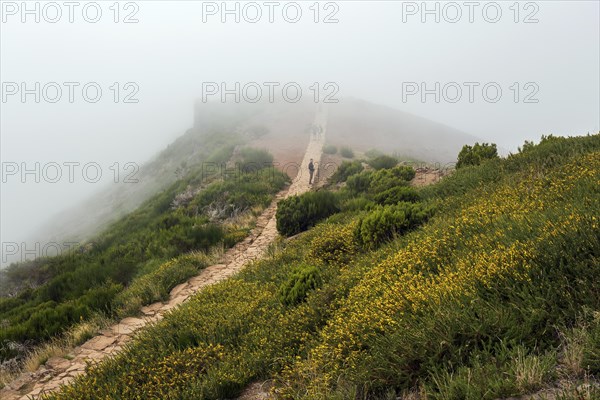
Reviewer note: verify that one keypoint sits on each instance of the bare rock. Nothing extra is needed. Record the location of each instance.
(58, 363)
(99, 343)
(23, 380)
(177, 289)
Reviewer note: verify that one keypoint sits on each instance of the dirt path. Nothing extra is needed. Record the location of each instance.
(59, 371)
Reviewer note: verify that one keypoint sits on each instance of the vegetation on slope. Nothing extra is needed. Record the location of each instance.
(494, 291)
(140, 258)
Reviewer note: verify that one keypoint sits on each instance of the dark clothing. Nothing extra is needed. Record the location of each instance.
(311, 170)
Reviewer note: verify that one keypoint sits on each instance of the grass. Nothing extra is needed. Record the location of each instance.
(531, 372)
(573, 352)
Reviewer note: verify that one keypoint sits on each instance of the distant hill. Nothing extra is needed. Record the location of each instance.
(363, 126)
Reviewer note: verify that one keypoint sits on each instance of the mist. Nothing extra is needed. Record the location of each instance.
(161, 58)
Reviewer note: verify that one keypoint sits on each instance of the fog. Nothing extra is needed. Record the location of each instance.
(384, 52)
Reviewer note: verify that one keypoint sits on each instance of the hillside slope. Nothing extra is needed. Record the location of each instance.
(485, 285)
(122, 267)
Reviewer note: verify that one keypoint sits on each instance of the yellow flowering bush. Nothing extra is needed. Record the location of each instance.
(333, 243)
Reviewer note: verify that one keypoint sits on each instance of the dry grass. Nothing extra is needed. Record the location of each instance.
(418, 393)
(530, 371)
(86, 330)
(43, 353)
(8, 373)
(243, 220)
(571, 358)
(586, 389)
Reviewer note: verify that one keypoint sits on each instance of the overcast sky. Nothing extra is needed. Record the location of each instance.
(546, 52)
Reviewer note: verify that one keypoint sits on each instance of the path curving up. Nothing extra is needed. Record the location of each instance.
(60, 371)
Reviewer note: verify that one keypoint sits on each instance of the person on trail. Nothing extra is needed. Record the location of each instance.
(311, 171)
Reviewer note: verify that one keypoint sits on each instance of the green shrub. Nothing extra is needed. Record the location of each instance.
(379, 181)
(231, 238)
(221, 155)
(397, 194)
(345, 170)
(387, 178)
(329, 149)
(201, 237)
(373, 153)
(359, 183)
(383, 223)
(475, 155)
(383, 161)
(404, 172)
(346, 152)
(298, 213)
(356, 204)
(300, 282)
(255, 159)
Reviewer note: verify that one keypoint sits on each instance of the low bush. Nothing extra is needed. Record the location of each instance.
(300, 282)
(383, 161)
(476, 154)
(373, 153)
(334, 244)
(397, 194)
(383, 223)
(254, 159)
(387, 178)
(329, 149)
(52, 293)
(298, 213)
(346, 169)
(346, 152)
(234, 237)
(374, 182)
(356, 204)
(359, 183)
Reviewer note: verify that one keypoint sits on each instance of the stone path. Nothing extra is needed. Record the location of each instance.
(59, 371)
(257, 390)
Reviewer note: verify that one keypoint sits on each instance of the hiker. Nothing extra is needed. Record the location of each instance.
(311, 171)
